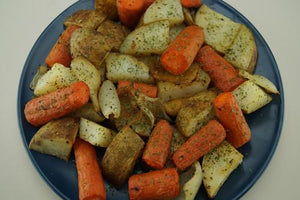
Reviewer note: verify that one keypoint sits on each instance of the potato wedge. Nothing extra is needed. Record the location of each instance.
(108, 7)
(57, 77)
(85, 71)
(113, 33)
(90, 44)
(219, 30)
(121, 67)
(95, 134)
(40, 72)
(147, 39)
(193, 115)
(260, 80)
(172, 107)
(188, 14)
(242, 54)
(168, 91)
(190, 182)
(217, 165)
(170, 10)
(120, 156)
(109, 100)
(88, 112)
(250, 97)
(85, 19)
(56, 138)
(177, 140)
(175, 30)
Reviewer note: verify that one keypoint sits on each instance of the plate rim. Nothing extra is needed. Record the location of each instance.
(226, 6)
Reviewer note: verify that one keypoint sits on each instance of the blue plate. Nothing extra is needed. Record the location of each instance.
(265, 123)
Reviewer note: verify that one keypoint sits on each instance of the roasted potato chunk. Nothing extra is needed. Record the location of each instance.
(113, 33)
(108, 7)
(88, 112)
(56, 138)
(175, 30)
(90, 44)
(120, 156)
(85, 19)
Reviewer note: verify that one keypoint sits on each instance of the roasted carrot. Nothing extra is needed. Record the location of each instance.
(149, 90)
(231, 116)
(130, 11)
(181, 52)
(158, 145)
(60, 52)
(222, 74)
(90, 180)
(56, 104)
(191, 3)
(161, 184)
(199, 144)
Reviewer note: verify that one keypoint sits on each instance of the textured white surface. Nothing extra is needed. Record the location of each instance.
(23, 21)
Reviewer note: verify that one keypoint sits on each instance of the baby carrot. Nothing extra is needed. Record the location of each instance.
(191, 3)
(161, 184)
(60, 52)
(158, 145)
(56, 104)
(90, 180)
(231, 116)
(130, 11)
(199, 144)
(180, 53)
(223, 75)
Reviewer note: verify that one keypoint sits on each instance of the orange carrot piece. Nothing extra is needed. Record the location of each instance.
(199, 144)
(147, 3)
(223, 75)
(191, 3)
(180, 54)
(231, 116)
(56, 104)
(90, 180)
(149, 90)
(130, 11)
(158, 145)
(160, 184)
(60, 52)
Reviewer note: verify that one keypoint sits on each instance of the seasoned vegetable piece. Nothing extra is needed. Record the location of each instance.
(90, 180)
(108, 7)
(95, 134)
(56, 104)
(113, 33)
(168, 91)
(217, 165)
(188, 16)
(109, 100)
(180, 54)
(120, 67)
(158, 146)
(222, 74)
(250, 97)
(85, 71)
(85, 19)
(199, 144)
(88, 112)
(60, 52)
(40, 72)
(130, 11)
(147, 89)
(56, 138)
(175, 31)
(230, 114)
(121, 155)
(57, 77)
(90, 44)
(260, 80)
(160, 184)
(191, 3)
(147, 39)
(177, 140)
(194, 115)
(219, 30)
(170, 10)
(243, 52)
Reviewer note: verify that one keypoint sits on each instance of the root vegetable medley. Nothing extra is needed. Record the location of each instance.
(162, 88)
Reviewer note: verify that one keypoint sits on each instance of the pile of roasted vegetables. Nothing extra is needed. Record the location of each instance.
(167, 86)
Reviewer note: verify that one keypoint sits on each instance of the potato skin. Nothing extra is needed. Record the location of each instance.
(121, 155)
